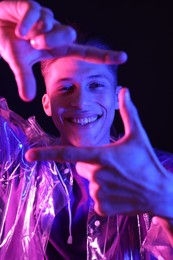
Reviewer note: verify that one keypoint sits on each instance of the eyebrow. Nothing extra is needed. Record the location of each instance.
(97, 76)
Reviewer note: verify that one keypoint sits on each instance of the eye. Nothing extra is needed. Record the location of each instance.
(96, 85)
(66, 88)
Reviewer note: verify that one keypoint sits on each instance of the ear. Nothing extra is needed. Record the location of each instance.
(118, 88)
(46, 105)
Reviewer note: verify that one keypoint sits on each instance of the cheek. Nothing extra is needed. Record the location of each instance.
(57, 119)
(56, 101)
(108, 102)
(109, 107)
(57, 110)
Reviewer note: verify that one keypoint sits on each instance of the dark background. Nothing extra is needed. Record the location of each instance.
(145, 31)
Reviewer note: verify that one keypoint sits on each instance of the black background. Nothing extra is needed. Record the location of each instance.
(145, 31)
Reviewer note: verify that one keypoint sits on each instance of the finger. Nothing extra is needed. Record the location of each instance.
(45, 23)
(115, 208)
(81, 52)
(29, 13)
(64, 153)
(131, 120)
(30, 17)
(85, 170)
(94, 54)
(26, 89)
(25, 80)
(128, 111)
(60, 35)
(47, 20)
(110, 204)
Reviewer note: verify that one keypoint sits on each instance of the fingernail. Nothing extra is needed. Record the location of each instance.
(34, 43)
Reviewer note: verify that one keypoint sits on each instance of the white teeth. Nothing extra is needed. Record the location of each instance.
(84, 121)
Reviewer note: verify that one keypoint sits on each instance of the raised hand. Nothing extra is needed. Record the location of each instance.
(125, 176)
(29, 33)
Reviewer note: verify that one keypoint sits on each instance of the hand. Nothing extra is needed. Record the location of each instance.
(29, 33)
(125, 176)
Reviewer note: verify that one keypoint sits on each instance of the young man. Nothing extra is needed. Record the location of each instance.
(45, 201)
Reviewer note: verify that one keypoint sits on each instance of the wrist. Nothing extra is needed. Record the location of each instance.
(163, 207)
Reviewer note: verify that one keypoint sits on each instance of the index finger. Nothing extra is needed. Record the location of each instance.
(90, 54)
(64, 154)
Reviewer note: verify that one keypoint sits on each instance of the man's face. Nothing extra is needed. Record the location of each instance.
(81, 98)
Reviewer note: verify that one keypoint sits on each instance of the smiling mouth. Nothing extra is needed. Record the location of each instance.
(84, 121)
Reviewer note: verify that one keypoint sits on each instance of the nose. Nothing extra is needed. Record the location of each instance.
(80, 99)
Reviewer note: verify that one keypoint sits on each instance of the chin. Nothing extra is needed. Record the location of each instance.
(83, 143)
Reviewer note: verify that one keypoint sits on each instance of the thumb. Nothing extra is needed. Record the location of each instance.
(25, 80)
(127, 111)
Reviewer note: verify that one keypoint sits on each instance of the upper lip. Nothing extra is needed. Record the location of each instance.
(80, 114)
